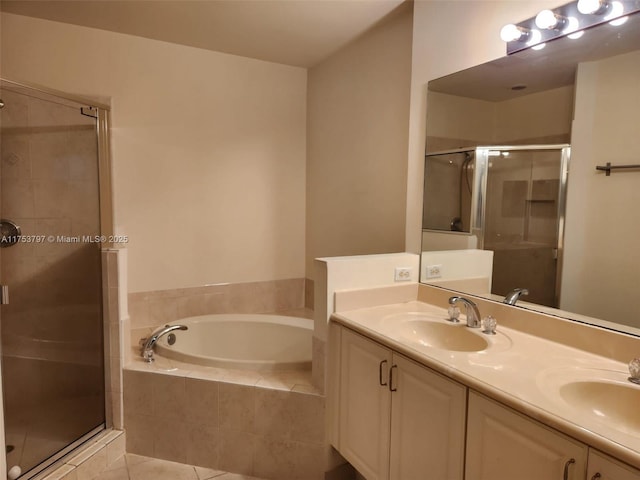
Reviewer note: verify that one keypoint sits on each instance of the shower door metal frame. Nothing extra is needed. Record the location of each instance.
(105, 199)
(480, 195)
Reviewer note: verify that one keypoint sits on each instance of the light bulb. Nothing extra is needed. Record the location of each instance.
(512, 33)
(572, 26)
(617, 9)
(619, 21)
(592, 7)
(546, 19)
(534, 37)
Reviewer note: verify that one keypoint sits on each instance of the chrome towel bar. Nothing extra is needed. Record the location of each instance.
(608, 167)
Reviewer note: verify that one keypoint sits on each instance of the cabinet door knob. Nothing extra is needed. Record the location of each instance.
(380, 369)
(391, 387)
(596, 476)
(571, 461)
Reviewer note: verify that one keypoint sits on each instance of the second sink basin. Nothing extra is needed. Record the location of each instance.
(603, 396)
(615, 403)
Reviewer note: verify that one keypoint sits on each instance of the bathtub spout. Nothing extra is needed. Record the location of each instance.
(149, 343)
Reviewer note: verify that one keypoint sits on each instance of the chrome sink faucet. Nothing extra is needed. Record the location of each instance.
(513, 296)
(471, 310)
(150, 342)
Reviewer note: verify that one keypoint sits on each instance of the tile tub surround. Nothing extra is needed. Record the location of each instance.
(308, 293)
(147, 310)
(115, 323)
(266, 425)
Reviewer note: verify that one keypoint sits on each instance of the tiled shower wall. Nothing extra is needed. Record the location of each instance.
(149, 310)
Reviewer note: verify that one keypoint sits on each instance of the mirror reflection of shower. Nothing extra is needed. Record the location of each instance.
(509, 200)
(451, 175)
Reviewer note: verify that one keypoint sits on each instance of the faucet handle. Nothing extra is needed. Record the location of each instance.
(147, 355)
(489, 324)
(454, 313)
(634, 370)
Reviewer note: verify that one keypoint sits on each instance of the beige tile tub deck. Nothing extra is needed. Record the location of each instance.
(232, 420)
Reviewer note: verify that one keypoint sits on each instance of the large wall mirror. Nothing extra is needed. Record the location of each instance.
(513, 198)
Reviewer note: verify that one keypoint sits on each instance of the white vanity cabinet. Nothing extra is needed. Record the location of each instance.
(396, 418)
(603, 467)
(503, 444)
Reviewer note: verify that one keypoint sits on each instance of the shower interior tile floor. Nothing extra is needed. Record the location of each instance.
(137, 467)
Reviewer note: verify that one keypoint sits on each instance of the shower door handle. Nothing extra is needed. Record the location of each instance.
(4, 295)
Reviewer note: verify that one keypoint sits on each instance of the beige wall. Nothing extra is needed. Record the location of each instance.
(455, 121)
(208, 149)
(601, 239)
(358, 104)
(449, 36)
(548, 119)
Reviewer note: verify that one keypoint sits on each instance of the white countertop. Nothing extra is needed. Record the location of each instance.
(518, 369)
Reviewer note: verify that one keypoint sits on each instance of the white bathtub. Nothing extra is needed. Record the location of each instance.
(245, 341)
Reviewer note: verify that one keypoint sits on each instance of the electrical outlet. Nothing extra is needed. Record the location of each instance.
(403, 274)
(434, 271)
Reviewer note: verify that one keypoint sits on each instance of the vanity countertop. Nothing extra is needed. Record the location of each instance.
(518, 369)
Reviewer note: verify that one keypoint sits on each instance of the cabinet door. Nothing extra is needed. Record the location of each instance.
(427, 424)
(504, 445)
(609, 469)
(365, 405)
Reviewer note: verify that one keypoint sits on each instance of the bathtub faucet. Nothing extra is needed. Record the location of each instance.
(150, 342)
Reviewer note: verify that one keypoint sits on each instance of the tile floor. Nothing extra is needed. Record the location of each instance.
(136, 467)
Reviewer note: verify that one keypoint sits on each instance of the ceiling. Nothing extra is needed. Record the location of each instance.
(293, 32)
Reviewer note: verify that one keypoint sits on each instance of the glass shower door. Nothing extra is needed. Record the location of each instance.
(52, 328)
(524, 215)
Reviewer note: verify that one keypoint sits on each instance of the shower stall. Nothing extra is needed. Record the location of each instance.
(51, 321)
(507, 199)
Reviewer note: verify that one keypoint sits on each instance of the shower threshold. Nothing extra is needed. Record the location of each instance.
(42, 470)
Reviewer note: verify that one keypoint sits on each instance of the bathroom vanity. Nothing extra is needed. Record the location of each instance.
(412, 395)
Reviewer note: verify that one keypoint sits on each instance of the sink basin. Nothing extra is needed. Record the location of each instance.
(431, 331)
(592, 394)
(443, 336)
(616, 403)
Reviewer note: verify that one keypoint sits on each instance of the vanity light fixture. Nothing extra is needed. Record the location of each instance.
(570, 20)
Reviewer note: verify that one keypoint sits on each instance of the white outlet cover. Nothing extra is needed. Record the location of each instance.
(403, 274)
(434, 271)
